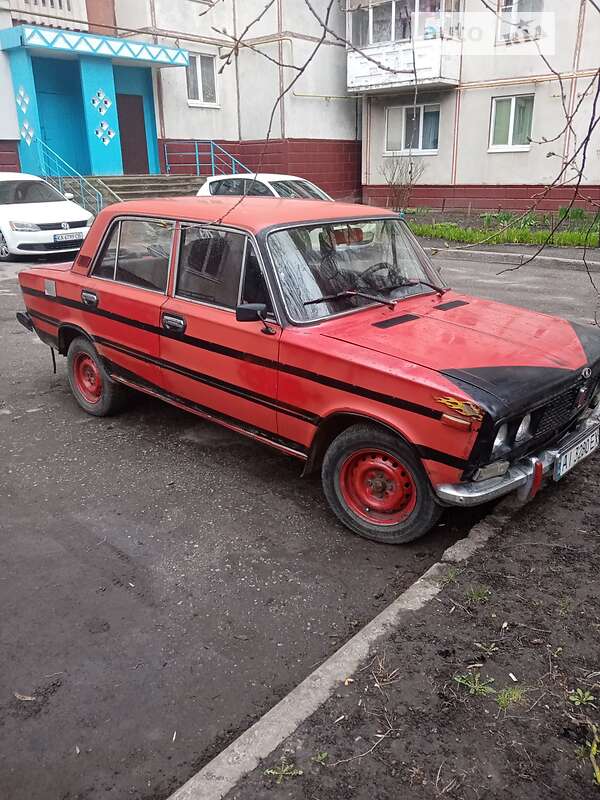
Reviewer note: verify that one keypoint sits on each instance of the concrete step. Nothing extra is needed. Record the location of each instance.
(136, 187)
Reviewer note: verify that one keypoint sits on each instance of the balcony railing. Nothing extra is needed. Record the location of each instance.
(392, 65)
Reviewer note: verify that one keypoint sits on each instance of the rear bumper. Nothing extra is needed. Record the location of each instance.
(524, 476)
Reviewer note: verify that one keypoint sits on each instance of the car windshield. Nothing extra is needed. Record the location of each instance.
(372, 256)
(19, 192)
(300, 190)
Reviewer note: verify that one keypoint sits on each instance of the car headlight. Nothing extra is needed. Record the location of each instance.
(24, 226)
(501, 438)
(524, 429)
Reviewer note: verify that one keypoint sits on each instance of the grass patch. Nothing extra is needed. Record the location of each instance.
(475, 684)
(451, 232)
(512, 695)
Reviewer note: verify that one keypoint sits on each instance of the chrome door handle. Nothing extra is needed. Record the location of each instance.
(174, 324)
(89, 298)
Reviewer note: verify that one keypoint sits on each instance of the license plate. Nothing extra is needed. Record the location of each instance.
(568, 458)
(68, 237)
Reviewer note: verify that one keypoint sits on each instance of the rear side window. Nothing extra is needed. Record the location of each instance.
(210, 264)
(137, 252)
(233, 186)
(301, 190)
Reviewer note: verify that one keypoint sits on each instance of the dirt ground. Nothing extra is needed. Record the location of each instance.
(492, 691)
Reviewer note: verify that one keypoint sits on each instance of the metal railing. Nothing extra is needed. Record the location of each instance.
(64, 178)
(200, 157)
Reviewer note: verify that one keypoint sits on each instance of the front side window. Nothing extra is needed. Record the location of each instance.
(373, 256)
(412, 129)
(210, 264)
(201, 80)
(512, 119)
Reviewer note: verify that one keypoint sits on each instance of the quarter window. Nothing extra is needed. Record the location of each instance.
(511, 124)
(201, 80)
(411, 129)
(210, 264)
(254, 288)
(106, 262)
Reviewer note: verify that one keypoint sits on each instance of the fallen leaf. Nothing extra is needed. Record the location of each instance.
(339, 719)
(348, 681)
(77, 750)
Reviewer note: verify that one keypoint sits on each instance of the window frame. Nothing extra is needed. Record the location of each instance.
(404, 151)
(116, 222)
(509, 148)
(203, 103)
(415, 23)
(514, 19)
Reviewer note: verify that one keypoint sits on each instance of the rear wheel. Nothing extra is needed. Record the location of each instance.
(91, 385)
(4, 251)
(377, 486)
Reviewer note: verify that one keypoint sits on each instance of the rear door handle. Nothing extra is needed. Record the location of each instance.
(173, 323)
(89, 298)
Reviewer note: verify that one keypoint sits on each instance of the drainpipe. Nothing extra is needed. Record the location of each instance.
(576, 61)
(281, 82)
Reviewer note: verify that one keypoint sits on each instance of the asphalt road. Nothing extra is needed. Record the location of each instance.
(163, 582)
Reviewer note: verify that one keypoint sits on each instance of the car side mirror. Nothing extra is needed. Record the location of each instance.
(68, 195)
(254, 312)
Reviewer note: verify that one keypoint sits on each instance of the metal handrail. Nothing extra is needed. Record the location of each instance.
(66, 179)
(206, 157)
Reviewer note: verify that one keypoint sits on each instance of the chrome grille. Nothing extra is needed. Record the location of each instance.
(559, 412)
(58, 226)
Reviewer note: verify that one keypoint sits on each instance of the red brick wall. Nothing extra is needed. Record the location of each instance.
(9, 156)
(333, 164)
(510, 197)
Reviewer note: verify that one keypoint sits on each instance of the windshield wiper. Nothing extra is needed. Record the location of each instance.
(441, 290)
(352, 293)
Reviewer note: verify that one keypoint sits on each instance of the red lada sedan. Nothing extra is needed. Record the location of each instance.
(322, 329)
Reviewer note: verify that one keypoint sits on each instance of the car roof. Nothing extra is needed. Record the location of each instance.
(261, 176)
(21, 176)
(249, 213)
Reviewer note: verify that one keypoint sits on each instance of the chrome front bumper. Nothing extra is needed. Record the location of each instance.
(520, 477)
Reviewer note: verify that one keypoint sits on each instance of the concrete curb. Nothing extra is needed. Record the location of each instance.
(243, 755)
(511, 259)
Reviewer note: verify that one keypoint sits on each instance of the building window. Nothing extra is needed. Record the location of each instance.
(411, 129)
(201, 80)
(519, 20)
(511, 123)
(402, 20)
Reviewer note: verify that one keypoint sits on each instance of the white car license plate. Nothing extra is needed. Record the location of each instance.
(68, 237)
(567, 459)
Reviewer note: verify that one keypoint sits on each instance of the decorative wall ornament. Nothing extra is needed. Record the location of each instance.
(23, 99)
(27, 132)
(105, 133)
(101, 102)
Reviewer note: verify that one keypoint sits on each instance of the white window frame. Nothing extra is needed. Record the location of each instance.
(514, 19)
(509, 148)
(411, 151)
(201, 103)
(415, 24)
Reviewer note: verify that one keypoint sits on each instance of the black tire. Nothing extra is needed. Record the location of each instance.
(111, 395)
(5, 255)
(345, 459)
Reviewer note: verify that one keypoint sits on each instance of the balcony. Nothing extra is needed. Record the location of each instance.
(436, 62)
(51, 13)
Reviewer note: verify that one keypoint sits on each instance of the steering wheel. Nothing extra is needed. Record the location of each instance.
(376, 268)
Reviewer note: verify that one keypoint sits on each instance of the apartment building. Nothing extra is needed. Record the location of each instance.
(143, 86)
(486, 125)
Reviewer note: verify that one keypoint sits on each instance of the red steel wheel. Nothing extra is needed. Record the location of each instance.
(87, 377)
(378, 487)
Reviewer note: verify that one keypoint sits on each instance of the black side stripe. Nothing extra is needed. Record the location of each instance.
(430, 454)
(325, 380)
(209, 380)
(44, 318)
(131, 377)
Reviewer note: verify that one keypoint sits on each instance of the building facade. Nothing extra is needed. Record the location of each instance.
(142, 86)
(487, 125)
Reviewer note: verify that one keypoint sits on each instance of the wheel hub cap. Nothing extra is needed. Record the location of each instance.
(378, 487)
(87, 377)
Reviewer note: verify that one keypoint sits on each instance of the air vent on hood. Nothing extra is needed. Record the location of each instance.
(390, 323)
(452, 304)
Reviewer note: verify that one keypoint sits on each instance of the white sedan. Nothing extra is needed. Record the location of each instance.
(263, 184)
(35, 219)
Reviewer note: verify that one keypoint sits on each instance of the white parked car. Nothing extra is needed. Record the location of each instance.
(36, 219)
(263, 184)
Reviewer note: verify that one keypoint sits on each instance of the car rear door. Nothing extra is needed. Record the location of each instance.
(212, 363)
(123, 295)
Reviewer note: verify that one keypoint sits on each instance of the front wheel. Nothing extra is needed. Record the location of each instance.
(89, 381)
(377, 486)
(4, 251)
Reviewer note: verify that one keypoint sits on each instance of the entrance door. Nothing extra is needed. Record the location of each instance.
(134, 146)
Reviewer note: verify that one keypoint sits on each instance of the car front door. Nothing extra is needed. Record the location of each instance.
(214, 364)
(122, 296)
